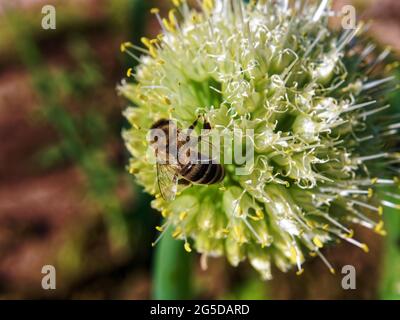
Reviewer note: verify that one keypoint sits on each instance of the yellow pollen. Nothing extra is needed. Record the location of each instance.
(171, 16)
(164, 213)
(170, 27)
(351, 234)
(293, 253)
(129, 72)
(225, 231)
(380, 210)
(187, 247)
(154, 10)
(176, 3)
(159, 228)
(391, 66)
(239, 234)
(333, 271)
(133, 170)
(317, 241)
(263, 244)
(183, 215)
(312, 254)
(167, 101)
(260, 214)
(150, 46)
(379, 228)
(125, 45)
(208, 5)
(374, 180)
(382, 233)
(370, 193)
(300, 272)
(196, 18)
(176, 233)
(365, 247)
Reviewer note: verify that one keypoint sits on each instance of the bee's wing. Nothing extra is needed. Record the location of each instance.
(167, 180)
(209, 152)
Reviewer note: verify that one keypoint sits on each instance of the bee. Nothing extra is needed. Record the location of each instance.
(175, 162)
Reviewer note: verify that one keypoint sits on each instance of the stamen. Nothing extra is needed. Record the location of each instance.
(150, 45)
(336, 223)
(362, 217)
(379, 228)
(362, 246)
(129, 72)
(163, 231)
(156, 12)
(176, 3)
(325, 261)
(367, 114)
(358, 106)
(187, 246)
(393, 195)
(320, 10)
(372, 84)
(390, 204)
(365, 205)
(124, 48)
(296, 255)
(311, 47)
(317, 241)
(253, 232)
(372, 157)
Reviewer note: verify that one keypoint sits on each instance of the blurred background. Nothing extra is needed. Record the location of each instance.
(65, 196)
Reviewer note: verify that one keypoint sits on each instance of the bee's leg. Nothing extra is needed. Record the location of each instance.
(194, 124)
(206, 124)
(184, 182)
(191, 128)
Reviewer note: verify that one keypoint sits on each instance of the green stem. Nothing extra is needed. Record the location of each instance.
(172, 270)
(389, 288)
(390, 281)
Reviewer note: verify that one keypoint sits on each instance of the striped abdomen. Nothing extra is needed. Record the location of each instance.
(203, 173)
